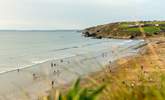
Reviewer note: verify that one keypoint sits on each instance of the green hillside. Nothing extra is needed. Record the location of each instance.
(126, 29)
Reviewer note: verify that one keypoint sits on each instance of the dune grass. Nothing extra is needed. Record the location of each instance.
(146, 90)
(77, 93)
(135, 78)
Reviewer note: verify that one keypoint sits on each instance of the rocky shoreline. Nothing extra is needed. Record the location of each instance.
(126, 30)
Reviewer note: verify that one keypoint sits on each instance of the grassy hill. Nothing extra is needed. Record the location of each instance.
(140, 77)
(127, 30)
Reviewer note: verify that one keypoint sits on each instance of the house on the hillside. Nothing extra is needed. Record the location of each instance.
(136, 25)
(156, 25)
(142, 25)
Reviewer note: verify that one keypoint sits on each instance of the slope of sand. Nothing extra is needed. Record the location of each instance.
(32, 82)
(150, 62)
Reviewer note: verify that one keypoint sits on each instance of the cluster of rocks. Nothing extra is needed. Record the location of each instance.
(90, 34)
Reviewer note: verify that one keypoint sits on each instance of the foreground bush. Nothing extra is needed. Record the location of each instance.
(78, 93)
(147, 90)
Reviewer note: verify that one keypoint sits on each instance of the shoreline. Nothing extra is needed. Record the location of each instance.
(126, 71)
(59, 57)
(112, 66)
(38, 79)
(66, 57)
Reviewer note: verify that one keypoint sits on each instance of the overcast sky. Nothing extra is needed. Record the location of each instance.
(75, 14)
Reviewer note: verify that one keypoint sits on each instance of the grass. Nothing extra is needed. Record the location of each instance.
(133, 30)
(77, 93)
(152, 29)
(122, 29)
(146, 90)
(149, 31)
(136, 78)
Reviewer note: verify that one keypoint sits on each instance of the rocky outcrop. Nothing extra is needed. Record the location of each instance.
(124, 30)
(89, 34)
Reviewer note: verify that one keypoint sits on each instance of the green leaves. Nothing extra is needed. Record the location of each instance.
(78, 93)
(143, 90)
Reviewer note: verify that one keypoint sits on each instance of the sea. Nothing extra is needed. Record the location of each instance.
(31, 60)
(19, 49)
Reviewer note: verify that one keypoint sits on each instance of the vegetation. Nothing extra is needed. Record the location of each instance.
(147, 90)
(125, 91)
(135, 78)
(78, 93)
(126, 29)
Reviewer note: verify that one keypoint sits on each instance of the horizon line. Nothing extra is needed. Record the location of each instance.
(40, 29)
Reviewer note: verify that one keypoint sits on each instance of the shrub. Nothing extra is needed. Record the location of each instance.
(78, 93)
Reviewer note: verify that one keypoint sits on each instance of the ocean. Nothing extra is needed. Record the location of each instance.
(31, 60)
(25, 48)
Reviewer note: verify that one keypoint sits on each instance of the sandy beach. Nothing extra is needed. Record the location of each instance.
(32, 82)
(127, 70)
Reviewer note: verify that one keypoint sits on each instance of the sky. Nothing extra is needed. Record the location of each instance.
(75, 14)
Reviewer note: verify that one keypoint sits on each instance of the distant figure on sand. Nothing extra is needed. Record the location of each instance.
(17, 70)
(52, 84)
(34, 76)
(61, 61)
(51, 64)
(54, 71)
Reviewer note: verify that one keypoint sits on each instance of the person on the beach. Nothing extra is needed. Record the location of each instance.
(51, 64)
(52, 84)
(34, 76)
(17, 70)
(61, 61)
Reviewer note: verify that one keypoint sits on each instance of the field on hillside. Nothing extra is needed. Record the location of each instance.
(126, 29)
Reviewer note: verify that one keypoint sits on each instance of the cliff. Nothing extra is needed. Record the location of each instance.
(126, 30)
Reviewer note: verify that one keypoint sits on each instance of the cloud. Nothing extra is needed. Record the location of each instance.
(76, 13)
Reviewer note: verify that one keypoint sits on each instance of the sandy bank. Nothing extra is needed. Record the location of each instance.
(30, 83)
(150, 62)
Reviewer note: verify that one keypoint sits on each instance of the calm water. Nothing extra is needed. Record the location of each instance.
(20, 49)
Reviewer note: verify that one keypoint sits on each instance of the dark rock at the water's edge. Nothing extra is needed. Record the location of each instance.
(99, 37)
(88, 34)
